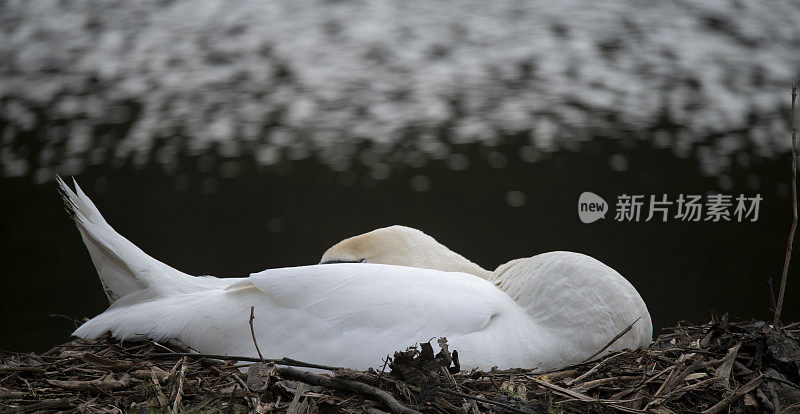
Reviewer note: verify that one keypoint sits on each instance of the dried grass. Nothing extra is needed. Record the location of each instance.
(716, 367)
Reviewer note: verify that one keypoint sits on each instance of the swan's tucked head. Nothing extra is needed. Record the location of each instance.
(401, 246)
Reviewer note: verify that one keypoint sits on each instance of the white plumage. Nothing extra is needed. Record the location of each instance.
(549, 310)
(579, 302)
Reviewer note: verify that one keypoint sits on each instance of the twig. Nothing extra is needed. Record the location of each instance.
(343, 384)
(589, 385)
(155, 343)
(48, 405)
(789, 243)
(179, 391)
(385, 362)
(241, 383)
(591, 371)
(772, 300)
(294, 406)
(790, 409)
(450, 377)
(233, 393)
(569, 393)
(22, 369)
(58, 315)
(484, 400)
(676, 378)
(725, 402)
(162, 399)
(178, 346)
(283, 361)
(723, 371)
(93, 385)
(619, 335)
(496, 388)
(253, 333)
(582, 397)
(651, 379)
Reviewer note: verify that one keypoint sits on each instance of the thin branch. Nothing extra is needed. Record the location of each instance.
(772, 300)
(591, 371)
(485, 401)
(564, 391)
(385, 362)
(283, 361)
(253, 333)
(343, 384)
(789, 243)
(619, 335)
(96, 385)
(723, 404)
(582, 397)
(179, 393)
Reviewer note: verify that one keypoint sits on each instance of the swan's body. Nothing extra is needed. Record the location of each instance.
(581, 300)
(344, 314)
(354, 315)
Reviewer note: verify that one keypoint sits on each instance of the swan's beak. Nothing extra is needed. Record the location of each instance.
(342, 261)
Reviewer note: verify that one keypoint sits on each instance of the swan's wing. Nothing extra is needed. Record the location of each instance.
(383, 297)
(356, 314)
(338, 314)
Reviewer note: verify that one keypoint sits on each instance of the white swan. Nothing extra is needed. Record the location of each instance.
(580, 299)
(344, 314)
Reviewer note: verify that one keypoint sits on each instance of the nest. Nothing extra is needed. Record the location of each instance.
(712, 368)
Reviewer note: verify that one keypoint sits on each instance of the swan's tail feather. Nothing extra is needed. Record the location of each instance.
(123, 268)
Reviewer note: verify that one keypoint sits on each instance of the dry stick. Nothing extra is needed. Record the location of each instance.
(233, 393)
(619, 335)
(343, 384)
(253, 333)
(772, 300)
(11, 394)
(162, 399)
(556, 388)
(295, 404)
(283, 361)
(788, 257)
(385, 362)
(725, 402)
(791, 408)
(581, 397)
(485, 401)
(22, 369)
(93, 385)
(179, 392)
(591, 371)
(243, 386)
(589, 385)
(723, 371)
(677, 377)
(651, 379)
(47, 405)
(449, 376)
(177, 346)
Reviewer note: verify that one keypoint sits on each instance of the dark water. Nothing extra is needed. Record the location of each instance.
(188, 216)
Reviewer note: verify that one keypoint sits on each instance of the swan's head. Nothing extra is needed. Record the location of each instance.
(401, 246)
